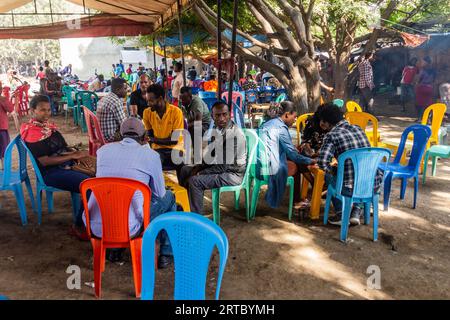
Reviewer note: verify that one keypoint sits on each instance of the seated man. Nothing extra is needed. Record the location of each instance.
(138, 98)
(97, 84)
(110, 111)
(196, 110)
(340, 138)
(143, 165)
(219, 172)
(161, 120)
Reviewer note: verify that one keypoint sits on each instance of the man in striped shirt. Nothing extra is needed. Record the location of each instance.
(366, 84)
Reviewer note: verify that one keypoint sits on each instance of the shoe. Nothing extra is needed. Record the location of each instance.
(305, 204)
(81, 235)
(335, 220)
(355, 216)
(164, 261)
(115, 255)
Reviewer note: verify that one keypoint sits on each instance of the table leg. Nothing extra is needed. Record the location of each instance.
(316, 198)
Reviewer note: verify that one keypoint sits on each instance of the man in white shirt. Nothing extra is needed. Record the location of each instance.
(177, 83)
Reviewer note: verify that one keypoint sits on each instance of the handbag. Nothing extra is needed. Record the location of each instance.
(86, 165)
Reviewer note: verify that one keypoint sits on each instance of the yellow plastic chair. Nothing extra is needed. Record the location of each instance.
(301, 122)
(362, 119)
(352, 106)
(316, 196)
(180, 193)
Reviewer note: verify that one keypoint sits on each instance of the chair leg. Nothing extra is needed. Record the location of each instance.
(291, 197)
(416, 191)
(346, 209)
(30, 193)
(387, 191)
(403, 188)
(327, 207)
(247, 203)
(136, 260)
(39, 205)
(425, 164)
(237, 196)
(255, 197)
(98, 263)
(18, 192)
(375, 217)
(216, 205)
(76, 202)
(49, 196)
(367, 206)
(433, 166)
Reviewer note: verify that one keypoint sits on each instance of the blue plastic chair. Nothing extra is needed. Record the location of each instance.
(238, 116)
(12, 180)
(208, 97)
(396, 170)
(193, 238)
(195, 91)
(365, 163)
(251, 96)
(41, 186)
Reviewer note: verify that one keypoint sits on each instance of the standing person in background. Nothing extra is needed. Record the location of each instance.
(41, 74)
(67, 71)
(192, 75)
(5, 107)
(366, 84)
(407, 86)
(162, 66)
(130, 69)
(424, 88)
(177, 83)
(138, 98)
(121, 66)
(47, 68)
(113, 72)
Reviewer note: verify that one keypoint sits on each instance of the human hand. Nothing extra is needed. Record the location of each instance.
(77, 155)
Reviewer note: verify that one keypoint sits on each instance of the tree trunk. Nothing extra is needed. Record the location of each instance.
(340, 77)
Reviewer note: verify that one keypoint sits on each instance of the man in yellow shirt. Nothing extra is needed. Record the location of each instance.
(161, 120)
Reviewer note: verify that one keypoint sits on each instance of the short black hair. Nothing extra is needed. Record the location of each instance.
(39, 98)
(186, 90)
(157, 90)
(179, 66)
(101, 77)
(46, 62)
(368, 54)
(117, 83)
(331, 113)
(41, 68)
(219, 103)
(287, 106)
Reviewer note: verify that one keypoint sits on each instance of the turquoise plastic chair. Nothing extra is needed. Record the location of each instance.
(12, 180)
(339, 103)
(193, 238)
(365, 163)
(437, 151)
(281, 98)
(238, 116)
(411, 170)
(262, 160)
(69, 100)
(41, 186)
(89, 100)
(251, 139)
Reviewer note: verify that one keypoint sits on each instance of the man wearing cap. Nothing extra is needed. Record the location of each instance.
(144, 165)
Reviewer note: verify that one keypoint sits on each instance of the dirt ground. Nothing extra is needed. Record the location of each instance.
(269, 258)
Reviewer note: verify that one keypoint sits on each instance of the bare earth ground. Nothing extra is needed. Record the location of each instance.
(270, 258)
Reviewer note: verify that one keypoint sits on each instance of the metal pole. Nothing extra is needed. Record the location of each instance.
(219, 48)
(51, 10)
(180, 30)
(35, 7)
(233, 51)
(12, 16)
(165, 56)
(154, 56)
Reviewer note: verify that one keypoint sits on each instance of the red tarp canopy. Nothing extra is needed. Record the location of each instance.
(96, 26)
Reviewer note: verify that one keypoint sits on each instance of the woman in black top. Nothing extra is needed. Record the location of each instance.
(53, 156)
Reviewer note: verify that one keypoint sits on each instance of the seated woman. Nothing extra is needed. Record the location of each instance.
(283, 157)
(53, 156)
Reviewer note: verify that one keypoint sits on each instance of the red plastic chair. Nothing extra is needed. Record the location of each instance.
(21, 100)
(114, 197)
(96, 139)
(6, 92)
(237, 99)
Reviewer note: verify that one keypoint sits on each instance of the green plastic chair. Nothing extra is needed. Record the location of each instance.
(257, 184)
(89, 100)
(281, 98)
(70, 102)
(251, 138)
(339, 103)
(434, 152)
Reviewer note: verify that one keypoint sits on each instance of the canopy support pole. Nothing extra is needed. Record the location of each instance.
(180, 30)
(219, 48)
(35, 7)
(51, 10)
(233, 52)
(154, 56)
(165, 57)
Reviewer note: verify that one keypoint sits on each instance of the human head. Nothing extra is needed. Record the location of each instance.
(413, 62)
(368, 55)
(41, 68)
(40, 108)
(170, 72)
(329, 116)
(144, 82)
(212, 77)
(119, 87)
(46, 63)
(288, 113)
(133, 128)
(113, 65)
(249, 76)
(221, 114)
(186, 96)
(101, 78)
(155, 96)
(163, 60)
(120, 61)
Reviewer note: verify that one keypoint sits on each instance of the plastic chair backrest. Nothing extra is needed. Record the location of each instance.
(36, 169)
(281, 98)
(7, 166)
(339, 103)
(365, 163)
(300, 124)
(88, 99)
(238, 116)
(251, 96)
(236, 97)
(94, 131)
(114, 196)
(261, 162)
(362, 119)
(353, 106)
(421, 136)
(193, 239)
(67, 91)
(208, 97)
(438, 111)
(252, 143)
